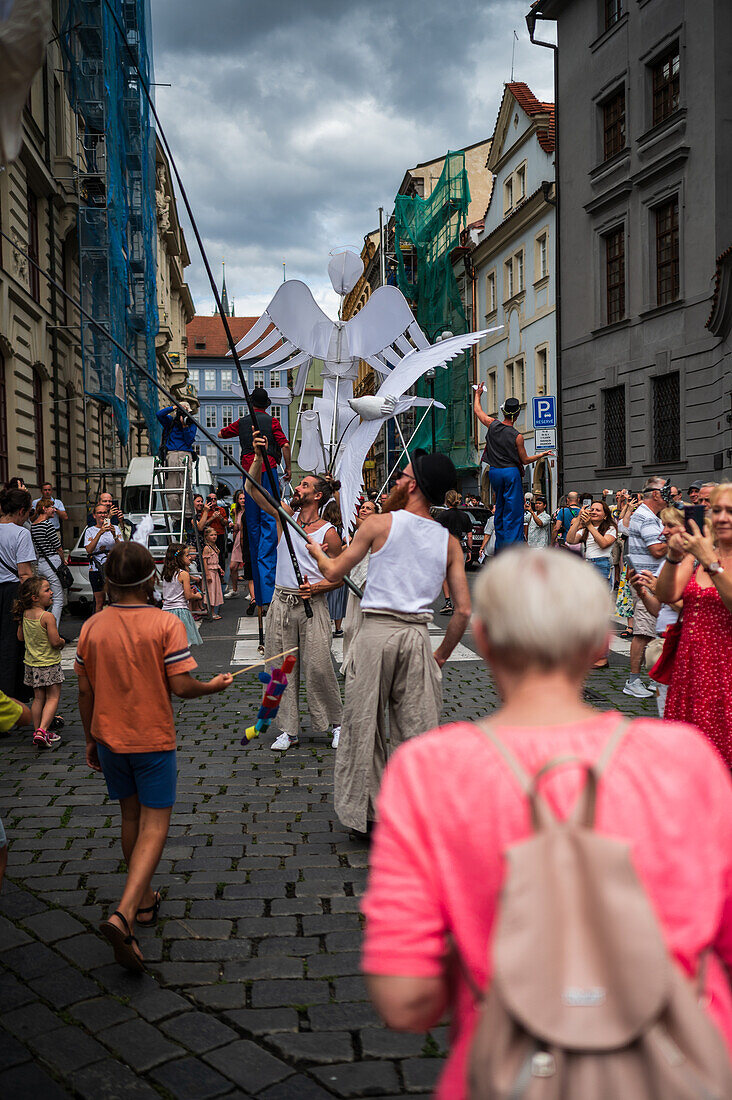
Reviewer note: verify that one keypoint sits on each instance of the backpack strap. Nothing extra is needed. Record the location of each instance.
(541, 814)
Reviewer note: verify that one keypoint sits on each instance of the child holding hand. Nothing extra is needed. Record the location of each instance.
(213, 572)
(178, 592)
(129, 659)
(43, 644)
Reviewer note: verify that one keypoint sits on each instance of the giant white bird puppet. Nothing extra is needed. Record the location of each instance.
(293, 330)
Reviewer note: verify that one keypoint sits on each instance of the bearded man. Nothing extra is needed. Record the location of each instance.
(287, 624)
(390, 661)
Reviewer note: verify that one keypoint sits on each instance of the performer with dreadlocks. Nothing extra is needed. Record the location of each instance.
(287, 624)
(390, 660)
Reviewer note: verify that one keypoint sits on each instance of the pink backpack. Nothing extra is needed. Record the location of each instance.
(585, 1002)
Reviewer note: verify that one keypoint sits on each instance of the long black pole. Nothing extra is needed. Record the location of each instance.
(285, 517)
(229, 338)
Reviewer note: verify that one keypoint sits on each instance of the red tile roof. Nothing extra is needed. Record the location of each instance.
(209, 331)
(526, 99)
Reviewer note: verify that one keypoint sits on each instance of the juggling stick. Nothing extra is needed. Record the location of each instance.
(266, 661)
(275, 683)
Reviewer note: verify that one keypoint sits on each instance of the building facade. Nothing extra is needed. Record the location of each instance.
(51, 426)
(645, 158)
(513, 265)
(211, 374)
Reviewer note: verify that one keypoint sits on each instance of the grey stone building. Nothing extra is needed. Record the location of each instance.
(645, 163)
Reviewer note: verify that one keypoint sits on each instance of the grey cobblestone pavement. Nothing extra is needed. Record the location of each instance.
(253, 987)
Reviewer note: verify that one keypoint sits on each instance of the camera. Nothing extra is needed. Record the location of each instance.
(666, 493)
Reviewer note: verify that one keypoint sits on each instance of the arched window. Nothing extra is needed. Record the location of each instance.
(4, 468)
(38, 426)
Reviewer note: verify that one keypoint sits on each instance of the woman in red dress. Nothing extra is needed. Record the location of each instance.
(698, 571)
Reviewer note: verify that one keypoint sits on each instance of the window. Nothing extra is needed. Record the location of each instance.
(229, 456)
(38, 426)
(492, 392)
(209, 416)
(258, 377)
(521, 183)
(34, 283)
(242, 411)
(508, 280)
(227, 377)
(275, 410)
(542, 256)
(615, 274)
(614, 426)
(667, 252)
(613, 11)
(227, 415)
(515, 380)
(490, 293)
(666, 418)
(4, 457)
(666, 85)
(541, 371)
(508, 195)
(193, 378)
(212, 454)
(209, 380)
(274, 378)
(519, 260)
(613, 124)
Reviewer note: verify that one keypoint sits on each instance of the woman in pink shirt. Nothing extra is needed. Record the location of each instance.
(449, 807)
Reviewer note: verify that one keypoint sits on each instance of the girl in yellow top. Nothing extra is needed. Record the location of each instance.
(43, 645)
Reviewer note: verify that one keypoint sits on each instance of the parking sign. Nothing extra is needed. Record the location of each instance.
(545, 412)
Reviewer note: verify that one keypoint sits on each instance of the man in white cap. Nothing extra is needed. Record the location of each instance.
(390, 661)
(179, 433)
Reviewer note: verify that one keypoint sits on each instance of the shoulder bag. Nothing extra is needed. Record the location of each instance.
(64, 574)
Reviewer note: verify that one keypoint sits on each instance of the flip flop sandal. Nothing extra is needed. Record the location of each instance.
(154, 909)
(625, 634)
(122, 944)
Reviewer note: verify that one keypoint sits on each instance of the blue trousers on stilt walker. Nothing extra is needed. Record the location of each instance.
(508, 489)
(262, 534)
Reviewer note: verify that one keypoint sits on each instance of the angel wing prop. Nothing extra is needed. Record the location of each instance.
(25, 26)
(411, 368)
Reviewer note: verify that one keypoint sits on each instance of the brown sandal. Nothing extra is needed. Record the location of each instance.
(124, 951)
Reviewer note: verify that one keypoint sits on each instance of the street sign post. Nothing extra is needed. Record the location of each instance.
(545, 411)
(545, 438)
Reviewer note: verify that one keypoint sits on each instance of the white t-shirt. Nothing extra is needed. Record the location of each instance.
(592, 550)
(101, 551)
(59, 506)
(16, 545)
(536, 535)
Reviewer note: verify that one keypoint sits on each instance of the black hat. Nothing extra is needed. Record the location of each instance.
(511, 406)
(260, 398)
(696, 485)
(435, 474)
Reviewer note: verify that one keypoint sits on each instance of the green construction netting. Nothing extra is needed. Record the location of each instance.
(426, 231)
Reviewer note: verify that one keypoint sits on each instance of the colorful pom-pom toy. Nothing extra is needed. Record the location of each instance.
(275, 683)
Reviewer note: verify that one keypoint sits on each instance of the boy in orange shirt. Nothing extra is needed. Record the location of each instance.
(129, 659)
(12, 714)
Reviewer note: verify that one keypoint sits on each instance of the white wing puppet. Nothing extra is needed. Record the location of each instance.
(402, 377)
(25, 26)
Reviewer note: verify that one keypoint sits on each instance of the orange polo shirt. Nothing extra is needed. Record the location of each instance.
(128, 653)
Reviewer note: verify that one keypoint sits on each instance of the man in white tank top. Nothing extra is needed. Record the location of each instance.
(390, 661)
(287, 625)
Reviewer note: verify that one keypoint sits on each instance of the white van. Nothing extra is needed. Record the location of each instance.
(135, 503)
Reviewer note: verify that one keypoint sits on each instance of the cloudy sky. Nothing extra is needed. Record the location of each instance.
(292, 121)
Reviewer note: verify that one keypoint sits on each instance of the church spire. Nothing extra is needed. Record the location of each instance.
(224, 296)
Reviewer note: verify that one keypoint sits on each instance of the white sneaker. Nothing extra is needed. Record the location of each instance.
(638, 689)
(230, 594)
(285, 741)
(336, 737)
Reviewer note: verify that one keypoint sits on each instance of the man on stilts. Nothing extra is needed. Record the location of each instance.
(287, 624)
(506, 455)
(390, 661)
(262, 531)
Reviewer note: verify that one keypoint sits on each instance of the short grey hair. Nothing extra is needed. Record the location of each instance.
(653, 483)
(543, 607)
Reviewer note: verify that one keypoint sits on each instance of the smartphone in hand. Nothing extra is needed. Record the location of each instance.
(697, 512)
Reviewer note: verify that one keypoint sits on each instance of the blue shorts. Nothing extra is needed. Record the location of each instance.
(150, 775)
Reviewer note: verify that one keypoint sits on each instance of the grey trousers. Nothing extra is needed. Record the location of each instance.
(286, 626)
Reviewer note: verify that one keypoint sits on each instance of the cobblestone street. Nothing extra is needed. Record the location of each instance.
(253, 986)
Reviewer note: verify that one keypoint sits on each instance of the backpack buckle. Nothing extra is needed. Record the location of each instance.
(543, 1064)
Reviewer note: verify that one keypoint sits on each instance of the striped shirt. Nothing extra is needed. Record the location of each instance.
(46, 539)
(645, 529)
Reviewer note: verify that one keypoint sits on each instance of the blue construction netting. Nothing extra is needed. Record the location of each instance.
(117, 224)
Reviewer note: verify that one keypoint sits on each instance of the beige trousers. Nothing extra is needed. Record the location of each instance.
(389, 664)
(287, 625)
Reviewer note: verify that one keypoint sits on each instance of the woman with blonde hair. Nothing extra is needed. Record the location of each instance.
(451, 805)
(698, 571)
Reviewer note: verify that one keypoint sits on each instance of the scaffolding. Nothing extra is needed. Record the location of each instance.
(116, 221)
(426, 232)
